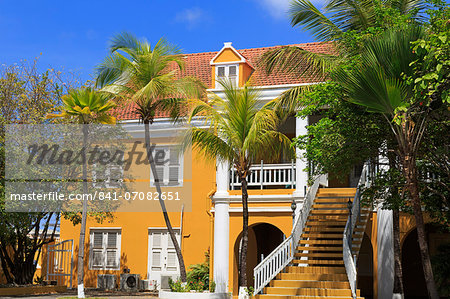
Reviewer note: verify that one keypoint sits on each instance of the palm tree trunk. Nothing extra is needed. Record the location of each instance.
(244, 244)
(410, 172)
(398, 271)
(163, 205)
(80, 267)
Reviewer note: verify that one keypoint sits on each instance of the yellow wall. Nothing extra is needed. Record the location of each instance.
(227, 55)
(134, 228)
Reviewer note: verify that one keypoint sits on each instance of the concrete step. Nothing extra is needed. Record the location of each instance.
(341, 213)
(321, 242)
(320, 248)
(316, 269)
(314, 255)
(309, 284)
(322, 236)
(309, 291)
(318, 262)
(313, 276)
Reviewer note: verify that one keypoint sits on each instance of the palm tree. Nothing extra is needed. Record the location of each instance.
(149, 77)
(329, 24)
(240, 131)
(379, 86)
(85, 106)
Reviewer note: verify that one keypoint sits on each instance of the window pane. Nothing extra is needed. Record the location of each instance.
(160, 173)
(174, 173)
(157, 240)
(111, 258)
(98, 240)
(174, 157)
(232, 71)
(221, 71)
(112, 240)
(171, 259)
(156, 260)
(97, 258)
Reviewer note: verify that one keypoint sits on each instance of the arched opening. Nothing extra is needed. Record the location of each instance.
(413, 278)
(263, 238)
(365, 268)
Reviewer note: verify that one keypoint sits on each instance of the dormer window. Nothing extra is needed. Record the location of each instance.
(227, 72)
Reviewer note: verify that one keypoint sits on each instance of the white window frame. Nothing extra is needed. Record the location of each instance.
(164, 181)
(104, 249)
(164, 250)
(227, 73)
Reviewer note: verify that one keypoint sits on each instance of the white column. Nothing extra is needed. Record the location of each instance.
(221, 229)
(222, 178)
(300, 163)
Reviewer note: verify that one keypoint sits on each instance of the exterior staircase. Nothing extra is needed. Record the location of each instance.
(317, 270)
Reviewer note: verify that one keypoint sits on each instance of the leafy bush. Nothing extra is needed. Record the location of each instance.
(197, 279)
(178, 286)
(198, 276)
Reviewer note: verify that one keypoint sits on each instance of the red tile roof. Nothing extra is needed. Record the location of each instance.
(198, 65)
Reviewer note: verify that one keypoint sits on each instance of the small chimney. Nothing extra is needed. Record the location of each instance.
(227, 44)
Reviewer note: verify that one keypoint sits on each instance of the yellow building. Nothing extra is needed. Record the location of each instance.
(138, 241)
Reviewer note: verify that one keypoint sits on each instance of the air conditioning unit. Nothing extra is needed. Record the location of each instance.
(130, 282)
(106, 281)
(165, 282)
(148, 285)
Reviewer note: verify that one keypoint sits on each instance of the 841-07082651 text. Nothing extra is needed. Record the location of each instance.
(129, 196)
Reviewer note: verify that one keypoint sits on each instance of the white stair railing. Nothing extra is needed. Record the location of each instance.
(354, 216)
(278, 259)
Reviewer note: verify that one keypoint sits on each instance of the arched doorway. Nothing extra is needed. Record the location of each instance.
(365, 268)
(263, 238)
(413, 278)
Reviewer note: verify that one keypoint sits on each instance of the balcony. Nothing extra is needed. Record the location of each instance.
(267, 176)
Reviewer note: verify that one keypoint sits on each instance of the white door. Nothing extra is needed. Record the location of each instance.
(162, 257)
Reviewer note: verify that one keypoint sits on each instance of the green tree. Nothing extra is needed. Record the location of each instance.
(242, 133)
(379, 86)
(26, 95)
(346, 25)
(85, 106)
(149, 77)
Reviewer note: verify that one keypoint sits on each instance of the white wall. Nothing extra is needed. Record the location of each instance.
(385, 254)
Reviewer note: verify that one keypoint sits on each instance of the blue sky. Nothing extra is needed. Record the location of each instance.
(74, 34)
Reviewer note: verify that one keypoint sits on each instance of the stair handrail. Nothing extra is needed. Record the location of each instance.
(281, 256)
(353, 217)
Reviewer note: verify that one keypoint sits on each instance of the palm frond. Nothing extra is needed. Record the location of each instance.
(351, 14)
(288, 102)
(293, 59)
(378, 84)
(126, 42)
(414, 7)
(304, 14)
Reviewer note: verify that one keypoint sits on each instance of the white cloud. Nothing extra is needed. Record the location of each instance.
(279, 8)
(190, 16)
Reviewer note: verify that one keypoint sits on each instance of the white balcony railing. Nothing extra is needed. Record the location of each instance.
(265, 175)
